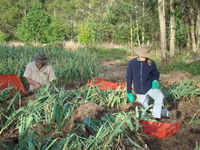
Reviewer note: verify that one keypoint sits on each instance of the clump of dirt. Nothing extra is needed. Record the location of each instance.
(196, 78)
(174, 78)
(129, 106)
(10, 138)
(84, 110)
(114, 70)
(187, 109)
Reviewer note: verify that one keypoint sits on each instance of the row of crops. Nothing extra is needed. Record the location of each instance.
(41, 121)
(69, 66)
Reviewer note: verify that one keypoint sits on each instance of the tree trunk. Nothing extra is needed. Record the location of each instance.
(188, 40)
(172, 30)
(143, 23)
(131, 38)
(198, 32)
(194, 46)
(163, 42)
(137, 25)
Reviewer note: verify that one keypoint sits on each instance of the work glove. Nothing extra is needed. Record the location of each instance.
(88, 126)
(131, 98)
(155, 84)
(87, 121)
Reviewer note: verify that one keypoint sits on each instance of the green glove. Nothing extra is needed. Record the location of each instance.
(155, 84)
(87, 121)
(131, 97)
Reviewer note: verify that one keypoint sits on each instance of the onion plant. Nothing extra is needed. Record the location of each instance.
(41, 120)
(185, 89)
(69, 66)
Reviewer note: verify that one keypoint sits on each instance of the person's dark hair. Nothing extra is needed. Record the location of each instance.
(150, 61)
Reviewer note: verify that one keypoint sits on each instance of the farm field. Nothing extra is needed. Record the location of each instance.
(53, 118)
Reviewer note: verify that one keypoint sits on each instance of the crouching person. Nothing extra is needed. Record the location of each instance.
(143, 74)
(39, 72)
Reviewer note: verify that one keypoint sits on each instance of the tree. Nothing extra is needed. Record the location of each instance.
(37, 26)
(9, 16)
(163, 42)
(172, 30)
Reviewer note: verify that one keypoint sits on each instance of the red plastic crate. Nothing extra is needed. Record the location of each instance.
(105, 85)
(11, 80)
(160, 129)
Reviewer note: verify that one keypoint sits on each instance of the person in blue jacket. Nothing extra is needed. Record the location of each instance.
(143, 74)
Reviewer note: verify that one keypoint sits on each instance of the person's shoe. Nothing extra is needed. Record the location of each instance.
(158, 119)
(164, 113)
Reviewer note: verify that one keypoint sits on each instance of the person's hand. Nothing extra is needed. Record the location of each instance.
(155, 84)
(131, 97)
(37, 85)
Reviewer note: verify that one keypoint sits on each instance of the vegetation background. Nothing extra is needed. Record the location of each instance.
(129, 22)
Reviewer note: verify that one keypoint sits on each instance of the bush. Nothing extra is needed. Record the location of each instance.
(37, 26)
(86, 33)
(2, 37)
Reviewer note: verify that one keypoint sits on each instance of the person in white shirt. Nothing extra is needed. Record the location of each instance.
(39, 72)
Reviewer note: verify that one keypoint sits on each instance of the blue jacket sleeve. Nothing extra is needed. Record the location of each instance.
(156, 74)
(129, 78)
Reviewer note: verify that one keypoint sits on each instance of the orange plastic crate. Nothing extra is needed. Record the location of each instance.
(160, 129)
(11, 80)
(105, 85)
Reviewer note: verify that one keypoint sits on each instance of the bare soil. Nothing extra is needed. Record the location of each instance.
(83, 111)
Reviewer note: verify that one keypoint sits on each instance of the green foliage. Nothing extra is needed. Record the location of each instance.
(86, 33)
(54, 33)
(180, 28)
(2, 37)
(119, 21)
(186, 89)
(193, 68)
(110, 53)
(4, 94)
(37, 26)
(10, 16)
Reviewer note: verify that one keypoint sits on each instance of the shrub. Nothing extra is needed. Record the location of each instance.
(37, 26)
(2, 37)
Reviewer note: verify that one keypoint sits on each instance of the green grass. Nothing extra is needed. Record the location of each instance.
(179, 65)
(193, 68)
(110, 53)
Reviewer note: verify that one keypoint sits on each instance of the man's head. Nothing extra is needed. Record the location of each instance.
(143, 51)
(41, 60)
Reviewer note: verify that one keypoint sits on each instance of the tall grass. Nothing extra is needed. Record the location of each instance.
(186, 89)
(110, 53)
(193, 68)
(69, 66)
